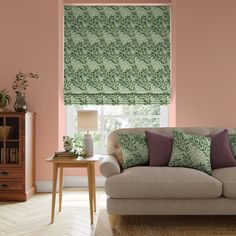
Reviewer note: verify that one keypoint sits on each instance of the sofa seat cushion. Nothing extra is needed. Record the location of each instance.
(163, 182)
(228, 178)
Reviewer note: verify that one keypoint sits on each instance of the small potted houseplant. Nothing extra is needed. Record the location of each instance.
(68, 143)
(5, 99)
(73, 145)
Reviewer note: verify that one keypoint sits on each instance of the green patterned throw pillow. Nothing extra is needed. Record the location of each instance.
(232, 141)
(191, 151)
(134, 149)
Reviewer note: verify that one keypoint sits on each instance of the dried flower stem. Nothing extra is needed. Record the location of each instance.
(20, 83)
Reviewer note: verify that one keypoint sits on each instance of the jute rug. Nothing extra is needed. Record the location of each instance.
(166, 225)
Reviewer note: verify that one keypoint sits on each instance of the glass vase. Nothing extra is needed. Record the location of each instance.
(20, 104)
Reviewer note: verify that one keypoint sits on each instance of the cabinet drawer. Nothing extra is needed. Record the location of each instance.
(11, 174)
(11, 186)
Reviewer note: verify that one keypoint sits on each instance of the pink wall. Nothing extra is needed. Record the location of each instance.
(204, 55)
(30, 42)
(203, 64)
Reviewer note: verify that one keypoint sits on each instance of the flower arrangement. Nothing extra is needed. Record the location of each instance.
(21, 81)
(74, 146)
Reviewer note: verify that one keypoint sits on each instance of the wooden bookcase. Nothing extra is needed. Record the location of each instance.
(17, 156)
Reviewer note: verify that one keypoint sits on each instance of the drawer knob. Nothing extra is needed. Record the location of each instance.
(3, 186)
(4, 173)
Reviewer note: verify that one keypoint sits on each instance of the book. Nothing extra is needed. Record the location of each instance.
(7, 156)
(13, 155)
(64, 154)
(2, 156)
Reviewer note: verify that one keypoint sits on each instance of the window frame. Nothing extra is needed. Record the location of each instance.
(71, 130)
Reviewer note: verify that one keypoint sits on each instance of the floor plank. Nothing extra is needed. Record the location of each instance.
(32, 218)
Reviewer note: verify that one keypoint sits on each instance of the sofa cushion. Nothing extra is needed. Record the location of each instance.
(191, 151)
(228, 178)
(221, 153)
(159, 148)
(232, 142)
(162, 182)
(134, 149)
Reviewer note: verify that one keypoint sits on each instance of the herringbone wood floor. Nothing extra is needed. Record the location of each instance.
(32, 218)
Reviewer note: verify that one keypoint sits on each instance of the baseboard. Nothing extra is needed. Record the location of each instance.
(30, 193)
(69, 181)
(44, 186)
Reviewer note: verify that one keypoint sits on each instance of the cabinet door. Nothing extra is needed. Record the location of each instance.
(1, 141)
(11, 141)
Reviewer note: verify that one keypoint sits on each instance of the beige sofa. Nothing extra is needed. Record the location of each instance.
(145, 190)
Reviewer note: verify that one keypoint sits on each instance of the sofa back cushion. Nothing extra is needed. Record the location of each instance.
(159, 148)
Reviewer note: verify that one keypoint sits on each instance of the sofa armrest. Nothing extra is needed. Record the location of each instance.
(109, 166)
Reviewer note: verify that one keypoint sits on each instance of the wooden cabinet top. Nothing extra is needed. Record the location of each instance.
(4, 113)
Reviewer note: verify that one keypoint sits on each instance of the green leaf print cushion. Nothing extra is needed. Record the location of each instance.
(191, 151)
(232, 142)
(134, 149)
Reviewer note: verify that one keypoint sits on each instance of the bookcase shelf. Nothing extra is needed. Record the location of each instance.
(12, 140)
(17, 156)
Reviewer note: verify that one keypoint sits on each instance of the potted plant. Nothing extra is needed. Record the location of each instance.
(5, 99)
(73, 145)
(68, 143)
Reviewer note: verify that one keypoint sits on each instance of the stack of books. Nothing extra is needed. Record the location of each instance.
(64, 154)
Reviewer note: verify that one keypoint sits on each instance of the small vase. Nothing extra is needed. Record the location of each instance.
(20, 104)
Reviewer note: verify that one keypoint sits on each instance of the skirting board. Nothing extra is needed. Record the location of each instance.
(69, 181)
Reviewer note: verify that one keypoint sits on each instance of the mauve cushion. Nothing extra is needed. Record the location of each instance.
(221, 153)
(159, 148)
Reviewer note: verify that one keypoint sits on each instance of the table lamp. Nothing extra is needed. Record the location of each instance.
(87, 121)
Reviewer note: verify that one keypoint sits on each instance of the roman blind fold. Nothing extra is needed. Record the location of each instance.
(117, 55)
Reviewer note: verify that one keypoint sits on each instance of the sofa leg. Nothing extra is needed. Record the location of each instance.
(113, 220)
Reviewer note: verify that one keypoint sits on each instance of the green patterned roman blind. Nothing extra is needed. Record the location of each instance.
(117, 55)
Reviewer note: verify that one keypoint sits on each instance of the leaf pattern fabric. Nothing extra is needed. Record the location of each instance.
(232, 141)
(191, 151)
(117, 55)
(134, 149)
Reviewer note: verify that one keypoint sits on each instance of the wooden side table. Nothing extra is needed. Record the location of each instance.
(68, 162)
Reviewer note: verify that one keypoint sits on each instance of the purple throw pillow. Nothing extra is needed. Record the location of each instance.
(221, 153)
(159, 148)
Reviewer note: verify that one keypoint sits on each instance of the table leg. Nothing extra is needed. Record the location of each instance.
(54, 189)
(61, 187)
(90, 188)
(94, 187)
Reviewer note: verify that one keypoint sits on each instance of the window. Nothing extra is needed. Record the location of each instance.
(112, 117)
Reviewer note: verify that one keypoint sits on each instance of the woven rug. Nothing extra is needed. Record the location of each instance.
(166, 225)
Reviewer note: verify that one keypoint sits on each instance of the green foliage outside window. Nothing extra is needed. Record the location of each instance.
(111, 118)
